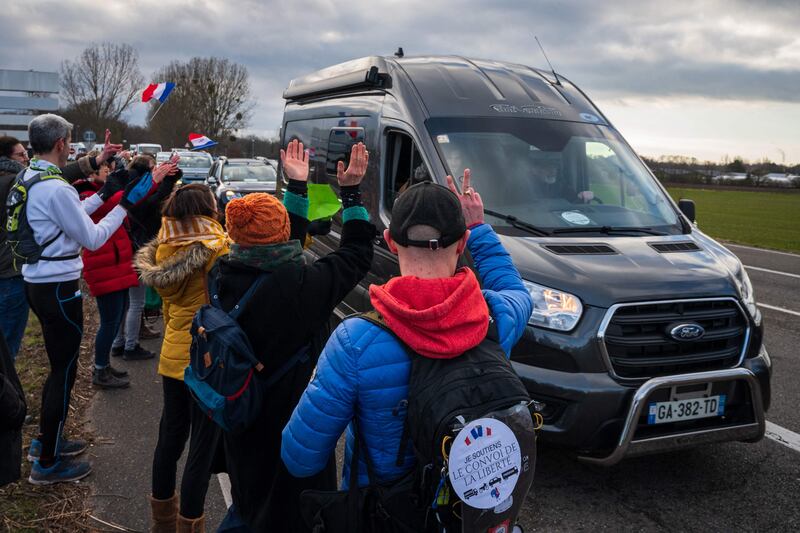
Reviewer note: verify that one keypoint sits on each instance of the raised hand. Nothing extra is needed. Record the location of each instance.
(471, 203)
(359, 157)
(295, 161)
(162, 170)
(108, 149)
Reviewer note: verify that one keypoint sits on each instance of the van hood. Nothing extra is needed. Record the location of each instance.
(636, 272)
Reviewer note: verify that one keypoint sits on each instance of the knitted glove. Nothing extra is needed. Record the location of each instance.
(136, 191)
(115, 182)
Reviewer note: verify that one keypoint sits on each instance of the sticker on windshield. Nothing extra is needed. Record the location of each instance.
(573, 217)
(484, 463)
(442, 139)
(588, 117)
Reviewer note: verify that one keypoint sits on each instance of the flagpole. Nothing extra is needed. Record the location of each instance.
(157, 110)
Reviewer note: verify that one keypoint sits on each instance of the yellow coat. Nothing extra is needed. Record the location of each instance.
(178, 273)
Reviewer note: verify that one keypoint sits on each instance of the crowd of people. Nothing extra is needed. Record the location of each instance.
(124, 225)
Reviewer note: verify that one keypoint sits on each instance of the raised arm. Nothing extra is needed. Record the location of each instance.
(509, 301)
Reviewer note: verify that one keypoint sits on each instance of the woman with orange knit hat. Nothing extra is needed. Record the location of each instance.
(286, 321)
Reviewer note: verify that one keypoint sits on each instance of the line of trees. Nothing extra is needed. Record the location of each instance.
(212, 96)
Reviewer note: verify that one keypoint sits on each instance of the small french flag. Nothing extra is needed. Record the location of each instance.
(200, 142)
(159, 91)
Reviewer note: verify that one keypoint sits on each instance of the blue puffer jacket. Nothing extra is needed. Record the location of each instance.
(364, 371)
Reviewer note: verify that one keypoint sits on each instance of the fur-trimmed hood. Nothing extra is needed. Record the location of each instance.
(175, 269)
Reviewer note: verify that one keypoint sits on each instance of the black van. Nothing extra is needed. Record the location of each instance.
(645, 335)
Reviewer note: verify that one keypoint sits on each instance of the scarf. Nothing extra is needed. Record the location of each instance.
(184, 232)
(268, 257)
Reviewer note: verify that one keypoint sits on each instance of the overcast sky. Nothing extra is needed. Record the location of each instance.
(705, 78)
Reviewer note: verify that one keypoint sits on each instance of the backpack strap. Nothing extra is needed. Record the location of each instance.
(213, 294)
(239, 307)
(38, 178)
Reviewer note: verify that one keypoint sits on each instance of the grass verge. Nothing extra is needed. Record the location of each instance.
(762, 219)
(62, 507)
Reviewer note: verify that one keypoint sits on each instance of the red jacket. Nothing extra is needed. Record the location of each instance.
(110, 267)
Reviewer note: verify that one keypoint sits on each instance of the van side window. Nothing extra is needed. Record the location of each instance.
(404, 166)
(340, 142)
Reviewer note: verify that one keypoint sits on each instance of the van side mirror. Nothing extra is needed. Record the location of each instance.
(212, 180)
(687, 208)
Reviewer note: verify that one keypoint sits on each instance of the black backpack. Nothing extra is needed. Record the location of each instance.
(444, 396)
(21, 241)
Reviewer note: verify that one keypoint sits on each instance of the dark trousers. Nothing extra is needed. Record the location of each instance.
(181, 418)
(59, 308)
(111, 308)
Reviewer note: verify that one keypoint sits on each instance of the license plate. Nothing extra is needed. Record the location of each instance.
(690, 409)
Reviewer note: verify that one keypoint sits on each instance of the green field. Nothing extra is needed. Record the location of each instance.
(763, 219)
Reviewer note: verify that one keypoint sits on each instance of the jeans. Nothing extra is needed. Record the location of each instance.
(129, 331)
(13, 312)
(59, 308)
(180, 416)
(111, 308)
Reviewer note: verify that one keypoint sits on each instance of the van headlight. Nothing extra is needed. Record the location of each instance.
(553, 309)
(748, 296)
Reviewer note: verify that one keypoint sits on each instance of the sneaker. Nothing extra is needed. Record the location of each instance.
(104, 379)
(146, 333)
(67, 448)
(137, 354)
(117, 351)
(117, 373)
(63, 470)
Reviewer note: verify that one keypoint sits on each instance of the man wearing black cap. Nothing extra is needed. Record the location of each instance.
(435, 309)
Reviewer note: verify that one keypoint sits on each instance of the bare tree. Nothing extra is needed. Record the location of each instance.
(105, 79)
(211, 96)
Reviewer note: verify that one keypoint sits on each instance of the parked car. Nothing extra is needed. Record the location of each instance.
(645, 336)
(148, 148)
(195, 165)
(75, 149)
(232, 178)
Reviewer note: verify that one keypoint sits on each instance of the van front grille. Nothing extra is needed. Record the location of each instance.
(639, 344)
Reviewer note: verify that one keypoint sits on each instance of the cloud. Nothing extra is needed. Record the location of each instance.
(720, 49)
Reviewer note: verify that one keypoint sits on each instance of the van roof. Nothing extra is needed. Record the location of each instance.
(453, 86)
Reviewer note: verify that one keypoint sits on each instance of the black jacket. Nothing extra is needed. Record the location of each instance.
(12, 416)
(9, 169)
(145, 217)
(291, 309)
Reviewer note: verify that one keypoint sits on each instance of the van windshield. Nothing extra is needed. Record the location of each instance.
(562, 177)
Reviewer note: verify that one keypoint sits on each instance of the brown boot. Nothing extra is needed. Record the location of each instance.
(191, 525)
(164, 514)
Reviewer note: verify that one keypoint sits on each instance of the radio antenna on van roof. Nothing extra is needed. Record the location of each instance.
(558, 82)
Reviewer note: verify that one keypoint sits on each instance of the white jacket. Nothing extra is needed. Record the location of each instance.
(53, 206)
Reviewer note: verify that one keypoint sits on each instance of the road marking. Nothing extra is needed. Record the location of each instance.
(772, 271)
(225, 485)
(797, 256)
(788, 438)
(776, 308)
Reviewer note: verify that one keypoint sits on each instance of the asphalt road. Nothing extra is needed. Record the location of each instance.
(125, 424)
(724, 487)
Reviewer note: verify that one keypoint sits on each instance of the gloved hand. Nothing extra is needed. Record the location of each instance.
(115, 182)
(136, 191)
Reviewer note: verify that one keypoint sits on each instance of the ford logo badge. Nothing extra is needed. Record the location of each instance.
(687, 332)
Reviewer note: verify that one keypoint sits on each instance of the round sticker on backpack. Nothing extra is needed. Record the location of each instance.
(484, 463)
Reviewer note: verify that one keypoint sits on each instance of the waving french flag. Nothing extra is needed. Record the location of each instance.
(200, 142)
(159, 91)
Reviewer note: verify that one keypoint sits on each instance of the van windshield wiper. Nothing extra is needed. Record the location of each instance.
(608, 230)
(517, 223)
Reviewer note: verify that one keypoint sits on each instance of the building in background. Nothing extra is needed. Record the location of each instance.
(23, 95)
